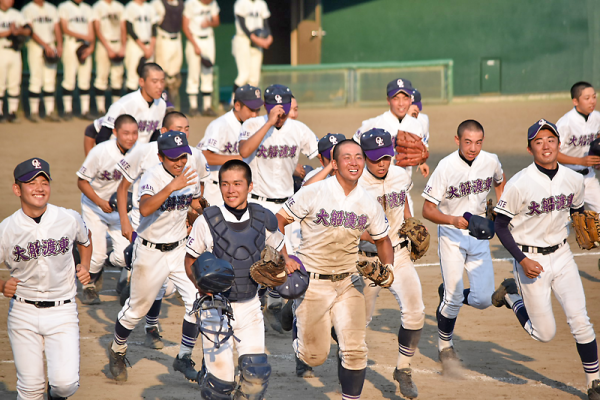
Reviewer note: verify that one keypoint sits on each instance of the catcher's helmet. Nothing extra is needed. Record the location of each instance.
(113, 201)
(213, 275)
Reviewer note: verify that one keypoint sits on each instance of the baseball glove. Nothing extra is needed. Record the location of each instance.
(81, 50)
(261, 33)
(269, 271)
(419, 237)
(117, 59)
(206, 63)
(17, 41)
(587, 229)
(411, 150)
(373, 269)
(54, 59)
(489, 210)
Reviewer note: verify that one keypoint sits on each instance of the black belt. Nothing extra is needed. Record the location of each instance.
(162, 246)
(583, 172)
(115, 41)
(396, 247)
(42, 304)
(542, 250)
(276, 201)
(215, 182)
(202, 37)
(332, 278)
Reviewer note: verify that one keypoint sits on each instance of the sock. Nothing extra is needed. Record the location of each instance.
(100, 103)
(352, 382)
(589, 358)
(48, 102)
(334, 335)
(466, 295)
(84, 98)
(206, 100)
(152, 316)
(68, 102)
(193, 101)
(407, 345)
(120, 339)
(94, 276)
(189, 334)
(34, 103)
(445, 329)
(521, 312)
(13, 104)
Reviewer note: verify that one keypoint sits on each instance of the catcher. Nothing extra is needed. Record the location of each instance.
(237, 232)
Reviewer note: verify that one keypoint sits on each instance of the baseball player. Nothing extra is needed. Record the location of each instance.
(577, 129)
(36, 244)
(166, 192)
(252, 35)
(537, 203)
(459, 185)
(141, 23)
(46, 42)
(145, 105)
(12, 24)
(415, 110)
(199, 19)
(334, 213)
(109, 24)
(248, 227)
(98, 179)
(220, 142)
(78, 30)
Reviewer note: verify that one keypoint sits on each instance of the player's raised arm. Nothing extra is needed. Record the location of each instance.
(249, 145)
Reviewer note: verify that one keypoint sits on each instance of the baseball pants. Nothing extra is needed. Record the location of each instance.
(169, 52)
(592, 191)
(105, 68)
(133, 54)
(560, 276)
(11, 68)
(151, 267)
(406, 289)
(248, 60)
(325, 304)
(101, 223)
(53, 332)
(73, 70)
(458, 251)
(248, 326)
(200, 77)
(42, 76)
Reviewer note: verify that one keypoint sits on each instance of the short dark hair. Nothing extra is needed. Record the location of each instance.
(336, 149)
(150, 67)
(469, 125)
(170, 116)
(578, 88)
(236, 165)
(124, 119)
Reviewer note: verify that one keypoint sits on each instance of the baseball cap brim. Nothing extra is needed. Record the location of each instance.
(378, 154)
(545, 126)
(32, 175)
(177, 152)
(253, 104)
(286, 107)
(406, 91)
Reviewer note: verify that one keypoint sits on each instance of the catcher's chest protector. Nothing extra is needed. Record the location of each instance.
(240, 244)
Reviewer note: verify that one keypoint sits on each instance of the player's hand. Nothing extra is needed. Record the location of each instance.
(121, 53)
(10, 287)
(148, 52)
(531, 268)
(197, 50)
(83, 274)
(127, 231)
(590, 161)
(299, 171)
(105, 206)
(50, 52)
(88, 52)
(187, 178)
(275, 114)
(290, 265)
(205, 23)
(111, 53)
(460, 223)
(424, 169)
(267, 42)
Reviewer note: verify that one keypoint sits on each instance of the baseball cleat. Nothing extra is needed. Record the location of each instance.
(451, 365)
(507, 286)
(12, 118)
(594, 391)
(87, 116)
(153, 339)
(193, 112)
(185, 365)
(89, 296)
(273, 316)
(2, 118)
(117, 364)
(209, 112)
(35, 118)
(407, 386)
(287, 316)
(125, 294)
(68, 116)
(52, 117)
(303, 370)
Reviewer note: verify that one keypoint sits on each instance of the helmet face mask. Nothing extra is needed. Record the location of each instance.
(212, 274)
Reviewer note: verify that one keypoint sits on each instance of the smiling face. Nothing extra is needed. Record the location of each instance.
(34, 195)
(244, 112)
(379, 168)
(470, 143)
(178, 124)
(349, 162)
(399, 104)
(235, 188)
(586, 103)
(175, 166)
(544, 149)
(127, 135)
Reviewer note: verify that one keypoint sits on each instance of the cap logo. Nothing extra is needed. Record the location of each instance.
(542, 122)
(36, 163)
(400, 83)
(257, 93)
(379, 141)
(278, 99)
(178, 141)
(333, 140)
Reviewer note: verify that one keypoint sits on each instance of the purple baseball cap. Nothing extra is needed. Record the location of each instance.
(278, 95)
(173, 144)
(249, 96)
(377, 143)
(417, 99)
(327, 142)
(30, 169)
(296, 283)
(538, 126)
(399, 85)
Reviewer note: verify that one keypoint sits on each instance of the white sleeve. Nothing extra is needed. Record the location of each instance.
(309, 142)
(128, 16)
(148, 186)
(378, 226)
(511, 201)
(578, 198)
(265, 13)
(188, 9)
(248, 129)
(63, 12)
(300, 204)
(82, 235)
(212, 136)
(214, 9)
(200, 239)
(436, 187)
(498, 173)
(239, 8)
(564, 130)
(26, 14)
(97, 11)
(114, 112)
(366, 125)
(202, 168)
(131, 164)
(89, 168)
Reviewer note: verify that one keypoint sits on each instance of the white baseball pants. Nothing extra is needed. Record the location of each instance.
(41, 74)
(169, 52)
(104, 67)
(200, 77)
(11, 68)
(592, 191)
(73, 70)
(133, 54)
(248, 60)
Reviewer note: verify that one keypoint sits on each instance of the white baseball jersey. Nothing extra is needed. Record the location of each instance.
(8, 17)
(311, 174)
(539, 207)
(111, 15)
(576, 134)
(42, 20)
(456, 188)
(167, 224)
(388, 122)
(198, 12)
(221, 137)
(39, 255)
(201, 239)
(424, 120)
(332, 223)
(253, 12)
(142, 17)
(391, 193)
(275, 159)
(78, 16)
(148, 116)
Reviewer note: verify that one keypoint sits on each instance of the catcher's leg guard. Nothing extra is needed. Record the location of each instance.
(213, 388)
(254, 376)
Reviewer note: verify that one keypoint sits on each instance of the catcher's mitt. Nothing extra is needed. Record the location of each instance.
(373, 269)
(411, 150)
(418, 235)
(489, 210)
(206, 63)
(81, 50)
(53, 59)
(269, 271)
(587, 229)
(17, 41)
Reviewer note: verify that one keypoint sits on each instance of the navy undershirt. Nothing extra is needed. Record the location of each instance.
(470, 163)
(237, 213)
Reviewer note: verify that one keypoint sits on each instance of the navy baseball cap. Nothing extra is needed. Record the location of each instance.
(173, 144)
(538, 126)
(327, 142)
(399, 85)
(377, 143)
(276, 95)
(595, 147)
(296, 283)
(30, 169)
(250, 96)
(479, 227)
(417, 99)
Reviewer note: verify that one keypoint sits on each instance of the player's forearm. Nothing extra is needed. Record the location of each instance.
(366, 237)
(188, 262)
(249, 146)
(282, 220)
(122, 191)
(38, 40)
(218, 159)
(5, 33)
(565, 159)
(100, 36)
(123, 34)
(319, 176)
(87, 190)
(385, 251)
(433, 214)
(88, 144)
(58, 36)
(187, 32)
(499, 188)
(85, 253)
(407, 213)
(506, 238)
(149, 204)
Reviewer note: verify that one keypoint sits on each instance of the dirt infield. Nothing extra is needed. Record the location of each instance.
(501, 361)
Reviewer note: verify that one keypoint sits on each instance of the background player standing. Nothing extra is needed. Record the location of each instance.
(109, 24)
(199, 19)
(141, 27)
(36, 244)
(46, 41)
(537, 203)
(76, 25)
